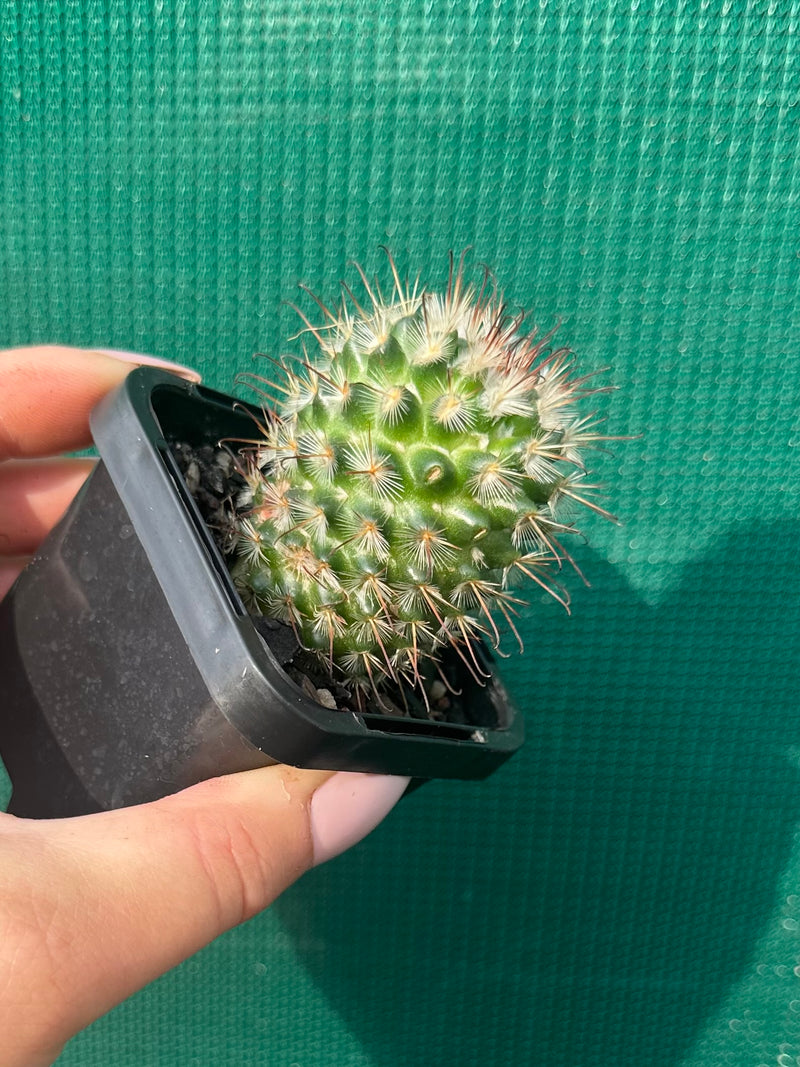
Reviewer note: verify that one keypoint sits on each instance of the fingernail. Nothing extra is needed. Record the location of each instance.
(150, 361)
(347, 807)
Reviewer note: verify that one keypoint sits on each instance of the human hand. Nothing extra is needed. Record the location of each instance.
(93, 908)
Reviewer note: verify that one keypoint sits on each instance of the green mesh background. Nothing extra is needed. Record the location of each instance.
(627, 890)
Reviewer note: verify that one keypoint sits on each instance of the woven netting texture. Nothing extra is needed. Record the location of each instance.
(626, 890)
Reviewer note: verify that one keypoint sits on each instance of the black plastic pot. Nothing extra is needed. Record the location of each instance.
(129, 667)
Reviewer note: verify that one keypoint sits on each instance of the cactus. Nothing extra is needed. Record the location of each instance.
(412, 474)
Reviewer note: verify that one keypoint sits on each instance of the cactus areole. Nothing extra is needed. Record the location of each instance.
(413, 473)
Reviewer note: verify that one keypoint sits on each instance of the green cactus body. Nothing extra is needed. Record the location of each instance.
(415, 470)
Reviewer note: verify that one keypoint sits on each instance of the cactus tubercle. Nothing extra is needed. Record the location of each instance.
(413, 472)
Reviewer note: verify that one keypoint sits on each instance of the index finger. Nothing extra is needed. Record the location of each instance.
(47, 393)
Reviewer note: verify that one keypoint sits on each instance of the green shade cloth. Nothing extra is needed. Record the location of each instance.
(627, 890)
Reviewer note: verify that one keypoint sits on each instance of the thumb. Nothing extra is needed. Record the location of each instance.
(95, 907)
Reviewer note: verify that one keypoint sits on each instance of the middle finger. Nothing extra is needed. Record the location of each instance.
(34, 494)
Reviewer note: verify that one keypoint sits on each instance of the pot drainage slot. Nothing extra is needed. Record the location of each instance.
(424, 728)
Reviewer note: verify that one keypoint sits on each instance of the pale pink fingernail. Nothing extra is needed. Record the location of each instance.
(150, 361)
(347, 807)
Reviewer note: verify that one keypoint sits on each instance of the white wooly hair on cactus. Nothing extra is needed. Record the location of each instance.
(414, 471)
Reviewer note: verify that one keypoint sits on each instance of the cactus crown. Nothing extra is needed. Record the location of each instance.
(412, 473)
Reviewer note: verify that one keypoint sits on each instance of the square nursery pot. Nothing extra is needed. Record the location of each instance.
(129, 667)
